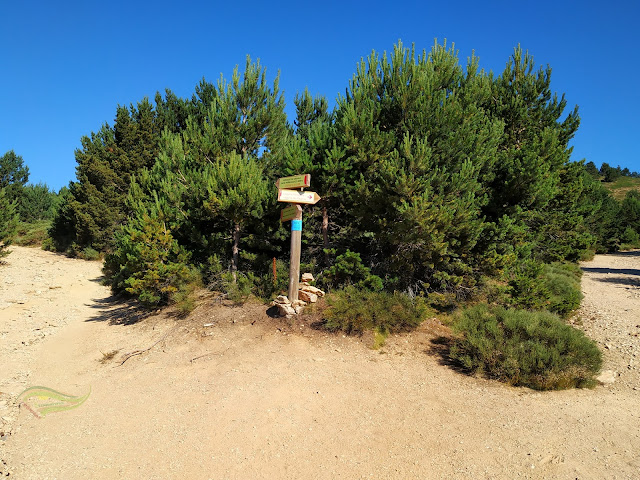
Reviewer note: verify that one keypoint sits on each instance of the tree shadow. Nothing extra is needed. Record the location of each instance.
(621, 280)
(619, 271)
(628, 253)
(119, 311)
(439, 348)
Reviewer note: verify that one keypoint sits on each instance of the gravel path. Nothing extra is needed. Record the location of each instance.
(249, 397)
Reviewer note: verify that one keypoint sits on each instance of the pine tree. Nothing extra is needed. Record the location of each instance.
(609, 173)
(313, 150)
(8, 222)
(14, 175)
(536, 142)
(208, 182)
(172, 112)
(532, 155)
(591, 169)
(106, 163)
(245, 116)
(419, 145)
(237, 190)
(36, 203)
(630, 210)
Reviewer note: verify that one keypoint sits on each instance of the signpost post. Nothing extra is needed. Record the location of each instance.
(293, 212)
(294, 261)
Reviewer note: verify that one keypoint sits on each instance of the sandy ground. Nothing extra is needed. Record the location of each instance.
(252, 397)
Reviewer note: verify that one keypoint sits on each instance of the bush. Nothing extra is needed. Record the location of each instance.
(630, 239)
(184, 298)
(249, 283)
(238, 290)
(563, 284)
(354, 311)
(266, 287)
(554, 287)
(32, 234)
(531, 349)
(348, 269)
(527, 288)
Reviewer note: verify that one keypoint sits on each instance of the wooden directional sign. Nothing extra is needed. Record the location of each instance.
(297, 196)
(289, 213)
(297, 181)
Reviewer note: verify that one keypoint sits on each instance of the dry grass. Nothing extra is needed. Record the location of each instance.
(107, 357)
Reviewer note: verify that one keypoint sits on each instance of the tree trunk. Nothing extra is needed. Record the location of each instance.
(325, 233)
(234, 251)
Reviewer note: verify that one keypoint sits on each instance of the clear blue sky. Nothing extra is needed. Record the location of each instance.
(67, 65)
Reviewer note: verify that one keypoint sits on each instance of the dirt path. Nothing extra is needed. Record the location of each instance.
(250, 397)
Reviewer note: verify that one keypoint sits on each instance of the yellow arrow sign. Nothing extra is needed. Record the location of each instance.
(296, 181)
(296, 196)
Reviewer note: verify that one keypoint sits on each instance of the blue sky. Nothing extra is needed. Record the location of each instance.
(65, 66)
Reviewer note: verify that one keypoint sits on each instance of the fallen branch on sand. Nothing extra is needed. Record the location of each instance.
(127, 356)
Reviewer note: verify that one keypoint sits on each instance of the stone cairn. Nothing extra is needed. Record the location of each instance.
(306, 294)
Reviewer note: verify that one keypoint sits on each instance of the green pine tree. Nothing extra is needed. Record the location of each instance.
(420, 147)
(236, 191)
(14, 175)
(8, 222)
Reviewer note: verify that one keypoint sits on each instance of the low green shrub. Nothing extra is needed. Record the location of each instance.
(348, 269)
(531, 349)
(32, 234)
(527, 288)
(266, 287)
(184, 298)
(354, 311)
(240, 290)
(630, 239)
(563, 284)
(247, 284)
(89, 253)
(554, 287)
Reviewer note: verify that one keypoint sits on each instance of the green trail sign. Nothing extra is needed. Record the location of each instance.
(296, 181)
(289, 213)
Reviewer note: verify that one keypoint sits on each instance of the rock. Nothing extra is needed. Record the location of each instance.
(307, 277)
(606, 376)
(285, 310)
(298, 309)
(298, 303)
(310, 289)
(307, 296)
(281, 299)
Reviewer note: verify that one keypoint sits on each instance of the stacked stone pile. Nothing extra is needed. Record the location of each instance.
(306, 294)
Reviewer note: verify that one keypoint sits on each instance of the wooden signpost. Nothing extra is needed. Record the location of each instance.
(293, 212)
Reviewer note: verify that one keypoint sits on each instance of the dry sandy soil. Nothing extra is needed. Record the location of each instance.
(252, 397)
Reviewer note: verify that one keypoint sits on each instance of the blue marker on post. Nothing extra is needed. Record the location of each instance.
(296, 225)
